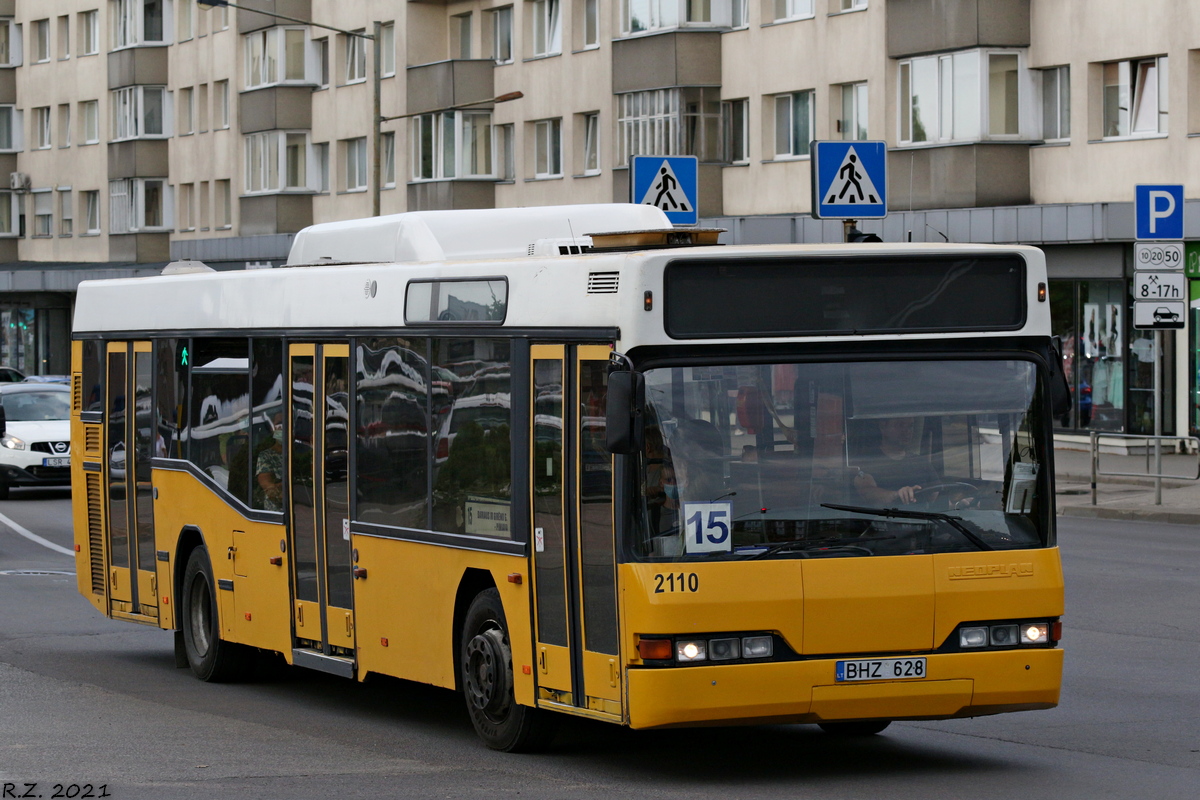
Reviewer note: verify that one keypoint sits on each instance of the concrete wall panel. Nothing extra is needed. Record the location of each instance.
(138, 66)
(438, 195)
(275, 213)
(146, 158)
(275, 108)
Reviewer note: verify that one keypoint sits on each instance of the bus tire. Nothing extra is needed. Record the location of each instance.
(864, 728)
(210, 658)
(487, 682)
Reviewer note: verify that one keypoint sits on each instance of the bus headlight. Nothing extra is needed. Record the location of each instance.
(1035, 633)
(1004, 635)
(757, 647)
(972, 637)
(691, 650)
(724, 649)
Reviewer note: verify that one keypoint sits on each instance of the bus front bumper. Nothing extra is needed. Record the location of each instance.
(957, 685)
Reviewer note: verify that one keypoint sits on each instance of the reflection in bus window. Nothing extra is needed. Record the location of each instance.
(220, 410)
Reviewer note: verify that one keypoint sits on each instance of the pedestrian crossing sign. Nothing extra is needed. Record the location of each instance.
(849, 180)
(667, 182)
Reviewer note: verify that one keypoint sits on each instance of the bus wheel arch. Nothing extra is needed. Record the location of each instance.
(190, 537)
(210, 657)
(473, 583)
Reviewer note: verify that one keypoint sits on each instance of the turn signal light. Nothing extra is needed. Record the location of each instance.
(655, 649)
(1056, 630)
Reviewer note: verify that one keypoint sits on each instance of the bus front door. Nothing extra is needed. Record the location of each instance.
(129, 445)
(577, 656)
(319, 502)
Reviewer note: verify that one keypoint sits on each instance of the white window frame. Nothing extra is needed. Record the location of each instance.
(185, 18)
(11, 44)
(62, 39)
(265, 161)
(952, 86)
(354, 164)
(321, 166)
(128, 23)
(223, 202)
(739, 14)
(355, 68)
(791, 10)
(590, 25)
(220, 119)
(591, 143)
(547, 140)
(501, 34)
(186, 208)
(545, 28)
(187, 110)
(91, 211)
(64, 125)
(43, 213)
(41, 39)
(387, 50)
(450, 156)
(16, 128)
(387, 148)
(854, 118)
(89, 121)
(267, 61)
(650, 123)
(853, 5)
(504, 143)
(128, 113)
(89, 29)
(10, 223)
(1131, 80)
(1056, 104)
(42, 130)
(647, 16)
(127, 205)
(462, 24)
(66, 211)
(730, 119)
(793, 147)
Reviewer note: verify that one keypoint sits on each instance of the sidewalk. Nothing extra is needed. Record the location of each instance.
(1124, 497)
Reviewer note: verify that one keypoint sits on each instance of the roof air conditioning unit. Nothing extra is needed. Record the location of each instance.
(561, 247)
(19, 181)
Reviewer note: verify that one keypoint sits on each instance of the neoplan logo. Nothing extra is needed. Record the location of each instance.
(991, 571)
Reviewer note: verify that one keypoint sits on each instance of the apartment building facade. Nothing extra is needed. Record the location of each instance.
(135, 132)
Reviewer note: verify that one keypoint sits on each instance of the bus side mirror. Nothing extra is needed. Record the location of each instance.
(625, 430)
(1060, 387)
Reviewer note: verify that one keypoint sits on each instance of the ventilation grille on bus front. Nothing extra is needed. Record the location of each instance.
(95, 527)
(603, 282)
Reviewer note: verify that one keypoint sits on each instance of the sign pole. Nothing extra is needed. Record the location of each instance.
(1158, 408)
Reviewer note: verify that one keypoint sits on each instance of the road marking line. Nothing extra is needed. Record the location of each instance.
(33, 537)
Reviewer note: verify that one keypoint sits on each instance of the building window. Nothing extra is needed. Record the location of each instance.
(356, 59)
(202, 107)
(91, 211)
(452, 144)
(321, 166)
(547, 28)
(139, 112)
(184, 16)
(204, 197)
(275, 55)
(66, 213)
(960, 97)
(41, 41)
(10, 205)
(461, 29)
(11, 128)
(793, 9)
(10, 43)
(43, 212)
(64, 37)
(793, 124)
(276, 161)
(187, 221)
(591, 23)
(853, 122)
(223, 196)
(354, 165)
(138, 204)
(736, 118)
(1090, 316)
(41, 128)
(64, 125)
(1056, 103)
(387, 146)
(137, 22)
(387, 49)
(852, 5)
(506, 152)
(221, 104)
(591, 144)
(1135, 97)
(89, 33)
(739, 14)
(547, 148)
(186, 111)
(89, 120)
(322, 46)
(501, 37)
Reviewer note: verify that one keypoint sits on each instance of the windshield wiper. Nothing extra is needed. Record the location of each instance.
(801, 545)
(899, 513)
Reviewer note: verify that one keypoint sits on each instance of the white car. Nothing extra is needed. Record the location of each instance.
(35, 435)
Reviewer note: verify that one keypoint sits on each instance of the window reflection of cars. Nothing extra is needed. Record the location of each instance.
(489, 411)
(35, 445)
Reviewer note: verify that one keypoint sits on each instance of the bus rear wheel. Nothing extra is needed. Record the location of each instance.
(209, 658)
(865, 728)
(487, 682)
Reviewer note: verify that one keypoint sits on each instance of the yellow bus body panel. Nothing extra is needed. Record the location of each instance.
(408, 600)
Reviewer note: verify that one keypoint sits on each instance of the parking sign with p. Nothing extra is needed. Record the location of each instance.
(1158, 210)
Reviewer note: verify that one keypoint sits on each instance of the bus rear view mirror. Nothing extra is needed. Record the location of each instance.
(626, 423)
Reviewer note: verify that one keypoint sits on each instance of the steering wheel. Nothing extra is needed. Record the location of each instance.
(927, 491)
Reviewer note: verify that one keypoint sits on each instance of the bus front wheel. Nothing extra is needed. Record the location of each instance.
(487, 682)
(210, 658)
(865, 728)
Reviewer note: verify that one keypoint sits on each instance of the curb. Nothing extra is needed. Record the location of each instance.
(1131, 514)
(1168, 483)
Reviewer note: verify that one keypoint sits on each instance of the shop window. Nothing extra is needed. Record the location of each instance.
(1090, 318)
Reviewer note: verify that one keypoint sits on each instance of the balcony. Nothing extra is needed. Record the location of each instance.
(275, 108)
(446, 84)
(959, 176)
(248, 21)
(665, 60)
(915, 27)
(137, 66)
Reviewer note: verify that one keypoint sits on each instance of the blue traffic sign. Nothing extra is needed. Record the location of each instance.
(671, 183)
(849, 180)
(1158, 209)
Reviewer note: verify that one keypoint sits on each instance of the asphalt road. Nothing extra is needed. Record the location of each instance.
(91, 701)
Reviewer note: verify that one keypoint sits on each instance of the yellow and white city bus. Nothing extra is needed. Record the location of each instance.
(571, 460)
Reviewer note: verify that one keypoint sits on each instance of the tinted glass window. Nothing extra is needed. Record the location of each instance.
(93, 390)
(393, 432)
(170, 385)
(266, 381)
(456, 301)
(220, 405)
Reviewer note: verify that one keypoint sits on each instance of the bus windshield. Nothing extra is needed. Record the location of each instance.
(825, 460)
